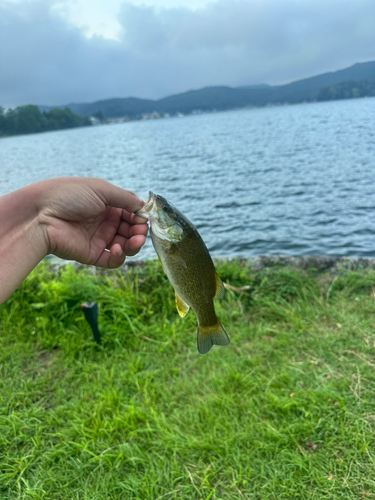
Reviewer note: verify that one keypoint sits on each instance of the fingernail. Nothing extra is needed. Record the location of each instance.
(119, 252)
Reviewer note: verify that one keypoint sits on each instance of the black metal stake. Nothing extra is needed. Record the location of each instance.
(91, 312)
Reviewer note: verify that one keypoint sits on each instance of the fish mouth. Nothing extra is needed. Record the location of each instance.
(146, 209)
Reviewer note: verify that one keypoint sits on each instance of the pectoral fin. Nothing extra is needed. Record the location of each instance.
(219, 294)
(209, 336)
(182, 307)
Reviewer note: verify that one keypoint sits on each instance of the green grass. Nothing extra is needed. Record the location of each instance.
(287, 411)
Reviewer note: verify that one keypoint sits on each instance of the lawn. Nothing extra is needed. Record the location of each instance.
(286, 411)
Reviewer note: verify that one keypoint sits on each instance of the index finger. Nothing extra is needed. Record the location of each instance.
(133, 218)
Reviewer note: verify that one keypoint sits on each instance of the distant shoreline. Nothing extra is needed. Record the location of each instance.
(337, 93)
(304, 262)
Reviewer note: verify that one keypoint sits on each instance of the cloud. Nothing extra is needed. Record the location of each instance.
(46, 60)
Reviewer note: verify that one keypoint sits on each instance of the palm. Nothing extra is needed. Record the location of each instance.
(85, 240)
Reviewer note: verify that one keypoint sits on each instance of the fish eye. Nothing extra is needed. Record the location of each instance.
(166, 208)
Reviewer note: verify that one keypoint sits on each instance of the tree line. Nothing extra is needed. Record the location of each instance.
(347, 90)
(30, 120)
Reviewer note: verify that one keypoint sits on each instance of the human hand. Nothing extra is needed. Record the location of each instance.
(90, 220)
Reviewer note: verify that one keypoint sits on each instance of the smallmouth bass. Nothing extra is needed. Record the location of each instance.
(188, 266)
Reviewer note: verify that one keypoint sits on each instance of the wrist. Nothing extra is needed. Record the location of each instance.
(20, 219)
(23, 242)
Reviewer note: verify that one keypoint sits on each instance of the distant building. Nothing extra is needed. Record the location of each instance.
(94, 120)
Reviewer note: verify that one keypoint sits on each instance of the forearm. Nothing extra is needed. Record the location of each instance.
(23, 242)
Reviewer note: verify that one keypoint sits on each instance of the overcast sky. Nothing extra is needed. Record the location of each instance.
(61, 51)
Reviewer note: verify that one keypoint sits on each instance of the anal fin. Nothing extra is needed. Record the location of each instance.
(181, 305)
(209, 336)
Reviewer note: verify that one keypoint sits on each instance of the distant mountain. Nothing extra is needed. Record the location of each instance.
(308, 89)
(224, 98)
(116, 108)
(256, 86)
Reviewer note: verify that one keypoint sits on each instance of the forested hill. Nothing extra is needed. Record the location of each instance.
(30, 120)
(347, 90)
(223, 98)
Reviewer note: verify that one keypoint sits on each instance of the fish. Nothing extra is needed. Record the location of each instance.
(189, 267)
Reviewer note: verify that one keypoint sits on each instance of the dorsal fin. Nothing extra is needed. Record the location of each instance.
(219, 294)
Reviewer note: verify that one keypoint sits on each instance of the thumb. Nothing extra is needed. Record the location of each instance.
(115, 196)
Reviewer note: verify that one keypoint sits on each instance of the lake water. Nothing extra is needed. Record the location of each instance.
(291, 180)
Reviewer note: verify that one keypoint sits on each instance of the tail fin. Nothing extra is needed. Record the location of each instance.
(209, 336)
